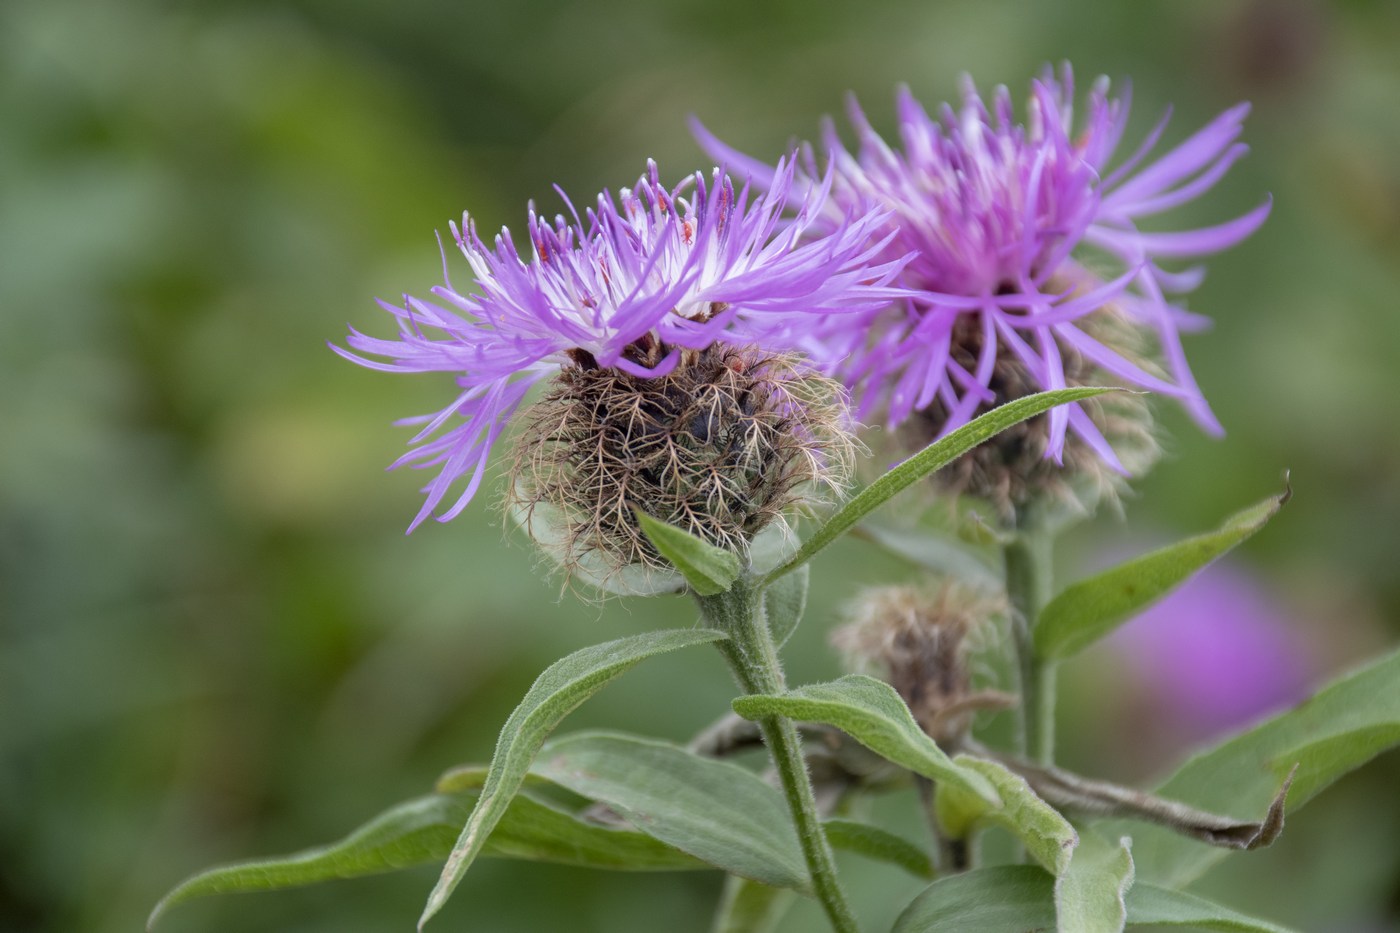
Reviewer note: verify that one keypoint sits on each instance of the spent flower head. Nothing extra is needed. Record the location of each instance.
(1024, 238)
(919, 639)
(652, 314)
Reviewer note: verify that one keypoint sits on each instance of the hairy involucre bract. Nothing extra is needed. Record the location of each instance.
(722, 446)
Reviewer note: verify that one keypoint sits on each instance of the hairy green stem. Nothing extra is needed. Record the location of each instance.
(753, 658)
(950, 855)
(1029, 583)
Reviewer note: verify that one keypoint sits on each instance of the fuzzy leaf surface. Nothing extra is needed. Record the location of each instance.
(784, 601)
(1342, 727)
(1004, 899)
(1021, 899)
(933, 457)
(1047, 836)
(422, 830)
(878, 844)
(1149, 905)
(709, 570)
(718, 812)
(869, 711)
(1089, 896)
(562, 687)
(1088, 610)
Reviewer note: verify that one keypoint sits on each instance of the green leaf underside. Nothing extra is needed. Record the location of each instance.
(422, 831)
(718, 812)
(1343, 726)
(709, 570)
(933, 457)
(879, 844)
(1021, 899)
(1005, 899)
(1089, 609)
(1047, 836)
(749, 907)
(562, 687)
(784, 602)
(872, 713)
(931, 552)
(1151, 905)
(1089, 896)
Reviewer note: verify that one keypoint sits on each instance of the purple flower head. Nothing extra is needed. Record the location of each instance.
(1019, 233)
(1215, 655)
(630, 285)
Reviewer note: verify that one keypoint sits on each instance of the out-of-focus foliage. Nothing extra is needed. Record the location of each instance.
(215, 641)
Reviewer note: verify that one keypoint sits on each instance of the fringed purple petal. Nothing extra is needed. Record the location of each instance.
(682, 267)
(1201, 241)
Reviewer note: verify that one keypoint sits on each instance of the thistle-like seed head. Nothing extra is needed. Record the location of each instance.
(920, 640)
(1011, 471)
(722, 446)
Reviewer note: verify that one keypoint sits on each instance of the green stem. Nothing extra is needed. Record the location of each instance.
(950, 855)
(1029, 584)
(749, 907)
(753, 658)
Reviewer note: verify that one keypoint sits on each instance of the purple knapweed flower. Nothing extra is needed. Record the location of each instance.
(630, 286)
(1214, 655)
(1019, 234)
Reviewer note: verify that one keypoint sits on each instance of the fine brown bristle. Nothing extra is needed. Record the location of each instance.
(721, 446)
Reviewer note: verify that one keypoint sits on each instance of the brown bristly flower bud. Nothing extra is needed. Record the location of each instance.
(723, 446)
(1011, 471)
(920, 639)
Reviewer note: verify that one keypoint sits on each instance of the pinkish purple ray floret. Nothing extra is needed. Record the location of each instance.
(1023, 231)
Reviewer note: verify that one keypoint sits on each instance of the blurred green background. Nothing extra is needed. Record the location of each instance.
(215, 640)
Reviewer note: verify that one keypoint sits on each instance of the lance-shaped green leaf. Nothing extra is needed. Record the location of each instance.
(850, 835)
(422, 830)
(718, 812)
(1089, 896)
(1149, 905)
(1088, 610)
(784, 602)
(1047, 835)
(933, 457)
(564, 685)
(709, 570)
(869, 711)
(1021, 899)
(1341, 728)
(986, 900)
(879, 844)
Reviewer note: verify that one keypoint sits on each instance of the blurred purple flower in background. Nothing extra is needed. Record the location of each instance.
(1020, 233)
(1215, 655)
(629, 285)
